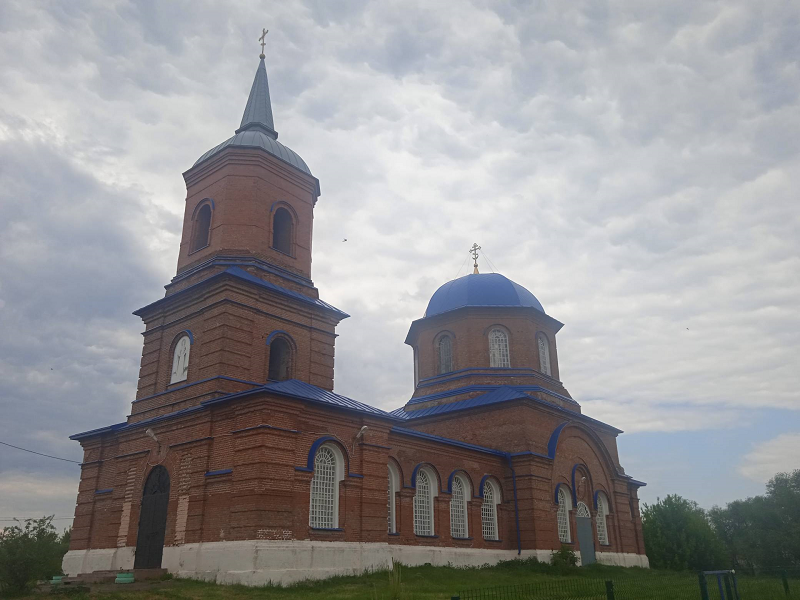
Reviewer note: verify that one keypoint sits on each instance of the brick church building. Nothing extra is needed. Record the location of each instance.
(239, 463)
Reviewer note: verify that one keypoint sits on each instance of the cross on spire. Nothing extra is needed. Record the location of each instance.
(474, 252)
(264, 33)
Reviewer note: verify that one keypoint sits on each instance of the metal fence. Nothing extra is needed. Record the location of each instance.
(709, 585)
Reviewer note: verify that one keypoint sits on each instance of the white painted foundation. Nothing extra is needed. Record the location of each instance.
(258, 562)
(104, 559)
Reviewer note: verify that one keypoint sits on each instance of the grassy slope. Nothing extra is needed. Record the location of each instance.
(427, 583)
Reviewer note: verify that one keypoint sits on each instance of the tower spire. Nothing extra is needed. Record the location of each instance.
(258, 112)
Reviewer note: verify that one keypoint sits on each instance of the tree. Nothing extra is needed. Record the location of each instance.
(30, 552)
(678, 535)
(763, 531)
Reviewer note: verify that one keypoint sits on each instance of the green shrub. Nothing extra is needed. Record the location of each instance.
(564, 558)
(28, 553)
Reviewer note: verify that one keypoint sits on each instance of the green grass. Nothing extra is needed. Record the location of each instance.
(428, 583)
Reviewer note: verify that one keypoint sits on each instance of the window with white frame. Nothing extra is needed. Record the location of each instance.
(489, 511)
(423, 504)
(458, 508)
(583, 511)
(498, 349)
(180, 360)
(391, 502)
(564, 506)
(544, 353)
(602, 511)
(445, 354)
(324, 511)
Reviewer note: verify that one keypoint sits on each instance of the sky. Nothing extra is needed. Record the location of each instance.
(635, 164)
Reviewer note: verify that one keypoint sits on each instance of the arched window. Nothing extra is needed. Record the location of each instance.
(445, 354)
(564, 506)
(458, 508)
(280, 358)
(423, 503)
(391, 502)
(202, 228)
(544, 353)
(498, 349)
(180, 360)
(328, 471)
(282, 231)
(583, 511)
(491, 497)
(602, 511)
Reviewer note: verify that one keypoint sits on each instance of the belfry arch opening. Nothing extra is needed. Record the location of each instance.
(282, 231)
(202, 228)
(280, 359)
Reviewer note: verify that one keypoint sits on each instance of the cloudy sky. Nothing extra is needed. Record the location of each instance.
(635, 164)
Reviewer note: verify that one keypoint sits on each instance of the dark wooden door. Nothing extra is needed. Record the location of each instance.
(152, 520)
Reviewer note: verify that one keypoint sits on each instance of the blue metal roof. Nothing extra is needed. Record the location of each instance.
(240, 273)
(449, 441)
(292, 388)
(480, 289)
(257, 129)
(503, 393)
(295, 388)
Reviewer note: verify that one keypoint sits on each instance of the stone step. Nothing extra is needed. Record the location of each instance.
(110, 576)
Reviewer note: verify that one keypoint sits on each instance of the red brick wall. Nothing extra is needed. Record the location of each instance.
(245, 184)
(264, 439)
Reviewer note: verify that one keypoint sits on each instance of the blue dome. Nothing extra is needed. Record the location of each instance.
(483, 289)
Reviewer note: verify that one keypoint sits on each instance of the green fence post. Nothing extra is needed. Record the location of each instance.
(785, 578)
(703, 586)
(609, 590)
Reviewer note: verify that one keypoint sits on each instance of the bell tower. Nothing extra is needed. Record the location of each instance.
(242, 309)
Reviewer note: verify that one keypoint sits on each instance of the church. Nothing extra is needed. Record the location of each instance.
(239, 463)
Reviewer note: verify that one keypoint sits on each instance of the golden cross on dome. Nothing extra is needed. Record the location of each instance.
(264, 33)
(474, 252)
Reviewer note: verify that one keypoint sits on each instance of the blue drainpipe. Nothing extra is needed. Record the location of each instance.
(516, 504)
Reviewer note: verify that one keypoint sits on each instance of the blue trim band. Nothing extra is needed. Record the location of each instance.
(272, 335)
(312, 453)
(220, 472)
(105, 491)
(552, 444)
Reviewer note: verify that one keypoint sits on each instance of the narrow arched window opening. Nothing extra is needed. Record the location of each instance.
(458, 509)
(602, 512)
(445, 354)
(498, 349)
(280, 357)
(324, 491)
(282, 231)
(423, 505)
(180, 360)
(489, 511)
(202, 228)
(564, 506)
(544, 353)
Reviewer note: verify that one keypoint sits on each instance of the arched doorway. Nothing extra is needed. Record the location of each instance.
(152, 520)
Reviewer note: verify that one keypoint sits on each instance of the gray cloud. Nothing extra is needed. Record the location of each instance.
(635, 165)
